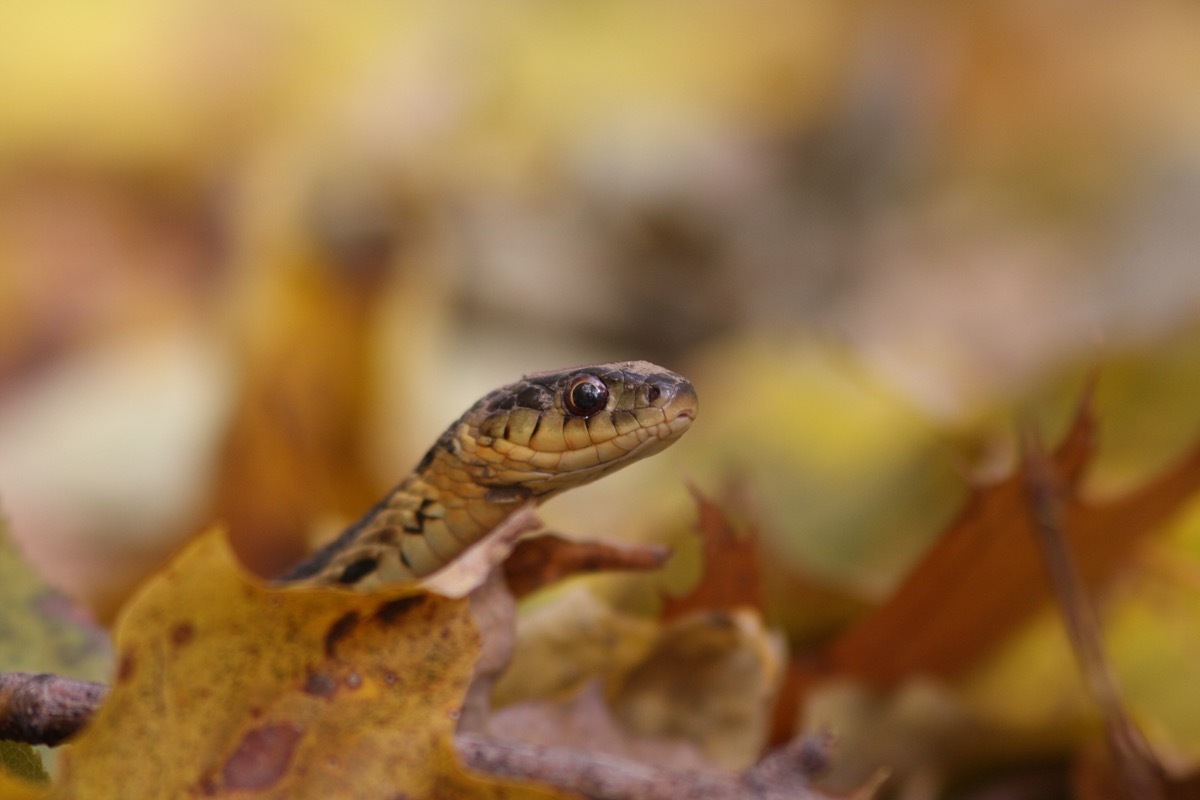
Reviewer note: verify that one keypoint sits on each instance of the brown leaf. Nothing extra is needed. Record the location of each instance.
(543, 560)
(1097, 777)
(984, 576)
(732, 575)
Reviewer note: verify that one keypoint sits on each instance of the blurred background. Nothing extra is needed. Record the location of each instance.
(254, 258)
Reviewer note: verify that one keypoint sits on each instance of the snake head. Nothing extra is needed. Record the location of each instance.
(527, 441)
(552, 431)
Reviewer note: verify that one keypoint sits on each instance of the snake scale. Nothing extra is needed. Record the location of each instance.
(524, 442)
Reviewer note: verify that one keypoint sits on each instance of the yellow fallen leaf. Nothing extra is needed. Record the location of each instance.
(567, 638)
(225, 685)
(711, 679)
(12, 788)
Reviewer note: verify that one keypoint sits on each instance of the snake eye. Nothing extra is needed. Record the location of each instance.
(586, 395)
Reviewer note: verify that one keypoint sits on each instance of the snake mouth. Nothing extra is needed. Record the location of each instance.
(680, 409)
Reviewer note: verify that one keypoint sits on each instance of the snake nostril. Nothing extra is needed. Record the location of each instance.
(657, 391)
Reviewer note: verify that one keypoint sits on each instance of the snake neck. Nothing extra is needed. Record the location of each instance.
(431, 517)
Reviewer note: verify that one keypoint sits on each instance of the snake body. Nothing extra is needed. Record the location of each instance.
(526, 441)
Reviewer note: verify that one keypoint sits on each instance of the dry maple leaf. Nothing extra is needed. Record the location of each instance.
(984, 576)
(732, 575)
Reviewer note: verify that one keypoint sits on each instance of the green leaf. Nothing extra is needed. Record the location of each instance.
(22, 761)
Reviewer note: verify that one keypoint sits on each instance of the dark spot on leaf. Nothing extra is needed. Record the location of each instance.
(125, 668)
(390, 612)
(339, 630)
(182, 633)
(389, 677)
(262, 758)
(319, 684)
(357, 570)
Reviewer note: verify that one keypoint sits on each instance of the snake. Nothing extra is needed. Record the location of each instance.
(522, 443)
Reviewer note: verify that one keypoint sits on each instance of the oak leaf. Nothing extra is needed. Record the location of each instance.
(732, 574)
(984, 576)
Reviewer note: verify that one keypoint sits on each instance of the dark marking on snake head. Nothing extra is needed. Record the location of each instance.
(390, 612)
(339, 630)
(263, 757)
(319, 685)
(357, 570)
(539, 398)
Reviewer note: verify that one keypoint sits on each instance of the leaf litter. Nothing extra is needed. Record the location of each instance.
(225, 685)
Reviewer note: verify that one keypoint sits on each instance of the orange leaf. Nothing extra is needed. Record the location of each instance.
(732, 576)
(985, 575)
(547, 559)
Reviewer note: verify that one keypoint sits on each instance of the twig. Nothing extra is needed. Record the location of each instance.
(1138, 768)
(45, 709)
